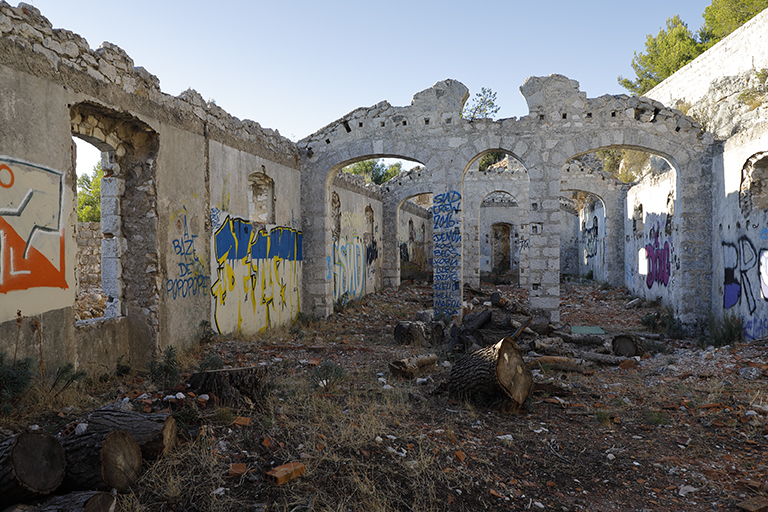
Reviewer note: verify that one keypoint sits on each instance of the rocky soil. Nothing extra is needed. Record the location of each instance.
(684, 428)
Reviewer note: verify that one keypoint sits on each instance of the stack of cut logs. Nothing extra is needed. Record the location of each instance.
(497, 370)
(81, 468)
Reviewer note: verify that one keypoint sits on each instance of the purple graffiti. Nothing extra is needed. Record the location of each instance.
(659, 260)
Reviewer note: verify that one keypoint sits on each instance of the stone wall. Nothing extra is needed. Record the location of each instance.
(746, 48)
(89, 254)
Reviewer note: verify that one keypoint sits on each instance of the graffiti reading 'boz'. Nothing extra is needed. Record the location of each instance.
(192, 278)
(446, 238)
(257, 275)
(659, 259)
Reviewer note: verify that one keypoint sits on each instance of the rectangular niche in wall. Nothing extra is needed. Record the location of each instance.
(261, 201)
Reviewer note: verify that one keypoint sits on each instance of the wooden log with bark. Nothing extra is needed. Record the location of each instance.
(156, 433)
(413, 366)
(561, 363)
(100, 459)
(236, 387)
(493, 371)
(32, 464)
(84, 501)
(592, 340)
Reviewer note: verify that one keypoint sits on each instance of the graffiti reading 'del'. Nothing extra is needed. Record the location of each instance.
(257, 275)
(32, 252)
(446, 237)
(191, 268)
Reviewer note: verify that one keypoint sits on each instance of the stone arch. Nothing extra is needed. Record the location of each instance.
(613, 193)
(131, 271)
(562, 123)
(476, 186)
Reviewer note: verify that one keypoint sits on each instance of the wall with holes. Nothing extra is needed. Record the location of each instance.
(740, 233)
(355, 263)
(652, 230)
(177, 170)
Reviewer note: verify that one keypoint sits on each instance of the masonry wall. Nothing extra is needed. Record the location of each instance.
(744, 49)
(652, 240)
(740, 232)
(175, 176)
(592, 241)
(355, 265)
(570, 235)
(89, 254)
(415, 241)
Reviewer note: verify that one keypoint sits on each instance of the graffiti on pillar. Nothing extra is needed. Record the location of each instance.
(187, 262)
(32, 243)
(446, 236)
(257, 275)
(659, 258)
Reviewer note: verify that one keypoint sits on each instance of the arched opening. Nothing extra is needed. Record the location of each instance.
(129, 263)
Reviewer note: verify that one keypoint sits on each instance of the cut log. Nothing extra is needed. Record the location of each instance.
(413, 366)
(591, 340)
(238, 387)
(628, 345)
(491, 371)
(156, 433)
(86, 501)
(100, 460)
(32, 464)
(560, 363)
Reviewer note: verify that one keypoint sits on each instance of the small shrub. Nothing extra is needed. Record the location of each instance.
(655, 418)
(165, 371)
(121, 369)
(651, 321)
(208, 334)
(15, 381)
(724, 332)
(211, 362)
(590, 275)
(603, 418)
(328, 375)
(655, 347)
(65, 377)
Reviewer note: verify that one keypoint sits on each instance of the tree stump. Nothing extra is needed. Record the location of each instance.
(628, 345)
(100, 459)
(493, 371)
(156, 433)
(86, 501)
(32, 464)
(238, 387)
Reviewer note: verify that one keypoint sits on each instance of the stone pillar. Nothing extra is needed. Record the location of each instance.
(470, 239)
(113, 244)
(614, 237)
(446, 237)
(390, 266)
(317, 271)
(544, 245)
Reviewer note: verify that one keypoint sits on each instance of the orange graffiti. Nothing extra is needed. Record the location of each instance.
(34, 271)
(4, 167)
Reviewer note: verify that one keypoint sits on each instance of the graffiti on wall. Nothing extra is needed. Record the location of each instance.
(745, 274)
(352, 265)
(188, 263)
(446, 236)
(591, 240)
(32, 243)
(659, 258)
(258, 274)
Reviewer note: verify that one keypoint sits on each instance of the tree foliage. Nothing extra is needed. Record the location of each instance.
(623, 164)
(483, 106)
(675, 45)
(89, 195)
(374, 170)
(489, 159)
(724, 16)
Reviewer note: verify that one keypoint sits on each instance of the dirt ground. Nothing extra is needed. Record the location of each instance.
(685, 429)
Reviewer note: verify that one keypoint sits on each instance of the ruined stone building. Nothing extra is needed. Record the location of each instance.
(210, 219)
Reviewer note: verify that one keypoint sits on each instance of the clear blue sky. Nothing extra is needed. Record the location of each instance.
(296, 66)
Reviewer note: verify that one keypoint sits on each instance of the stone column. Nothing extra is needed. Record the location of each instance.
(544, 241)
(317, 273)
(390, 265)
(614, 237)
(446, 237)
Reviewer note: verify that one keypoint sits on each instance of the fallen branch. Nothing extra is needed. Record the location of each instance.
(413, 366)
